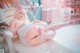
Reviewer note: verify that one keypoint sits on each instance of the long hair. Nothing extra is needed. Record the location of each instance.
(6, 3)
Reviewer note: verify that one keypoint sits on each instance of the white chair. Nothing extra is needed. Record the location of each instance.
(8, 35)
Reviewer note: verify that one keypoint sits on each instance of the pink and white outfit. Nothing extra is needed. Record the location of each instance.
(35, 33)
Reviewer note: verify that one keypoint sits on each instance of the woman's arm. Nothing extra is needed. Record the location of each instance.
(12, 27)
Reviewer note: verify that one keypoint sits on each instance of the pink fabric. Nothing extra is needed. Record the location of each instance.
(38, 34)
(44, 31)
(33, 37)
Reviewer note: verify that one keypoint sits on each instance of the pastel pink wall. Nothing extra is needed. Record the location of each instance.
(69, 14)
(49, 3)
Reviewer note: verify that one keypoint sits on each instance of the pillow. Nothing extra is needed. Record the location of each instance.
(7, 14)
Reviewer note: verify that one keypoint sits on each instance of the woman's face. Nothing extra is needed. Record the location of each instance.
(20, 15)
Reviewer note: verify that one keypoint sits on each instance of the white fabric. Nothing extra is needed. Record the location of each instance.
(66, 36)
(24, 29)
(36, 49)
(23, 41)
(48, 35)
